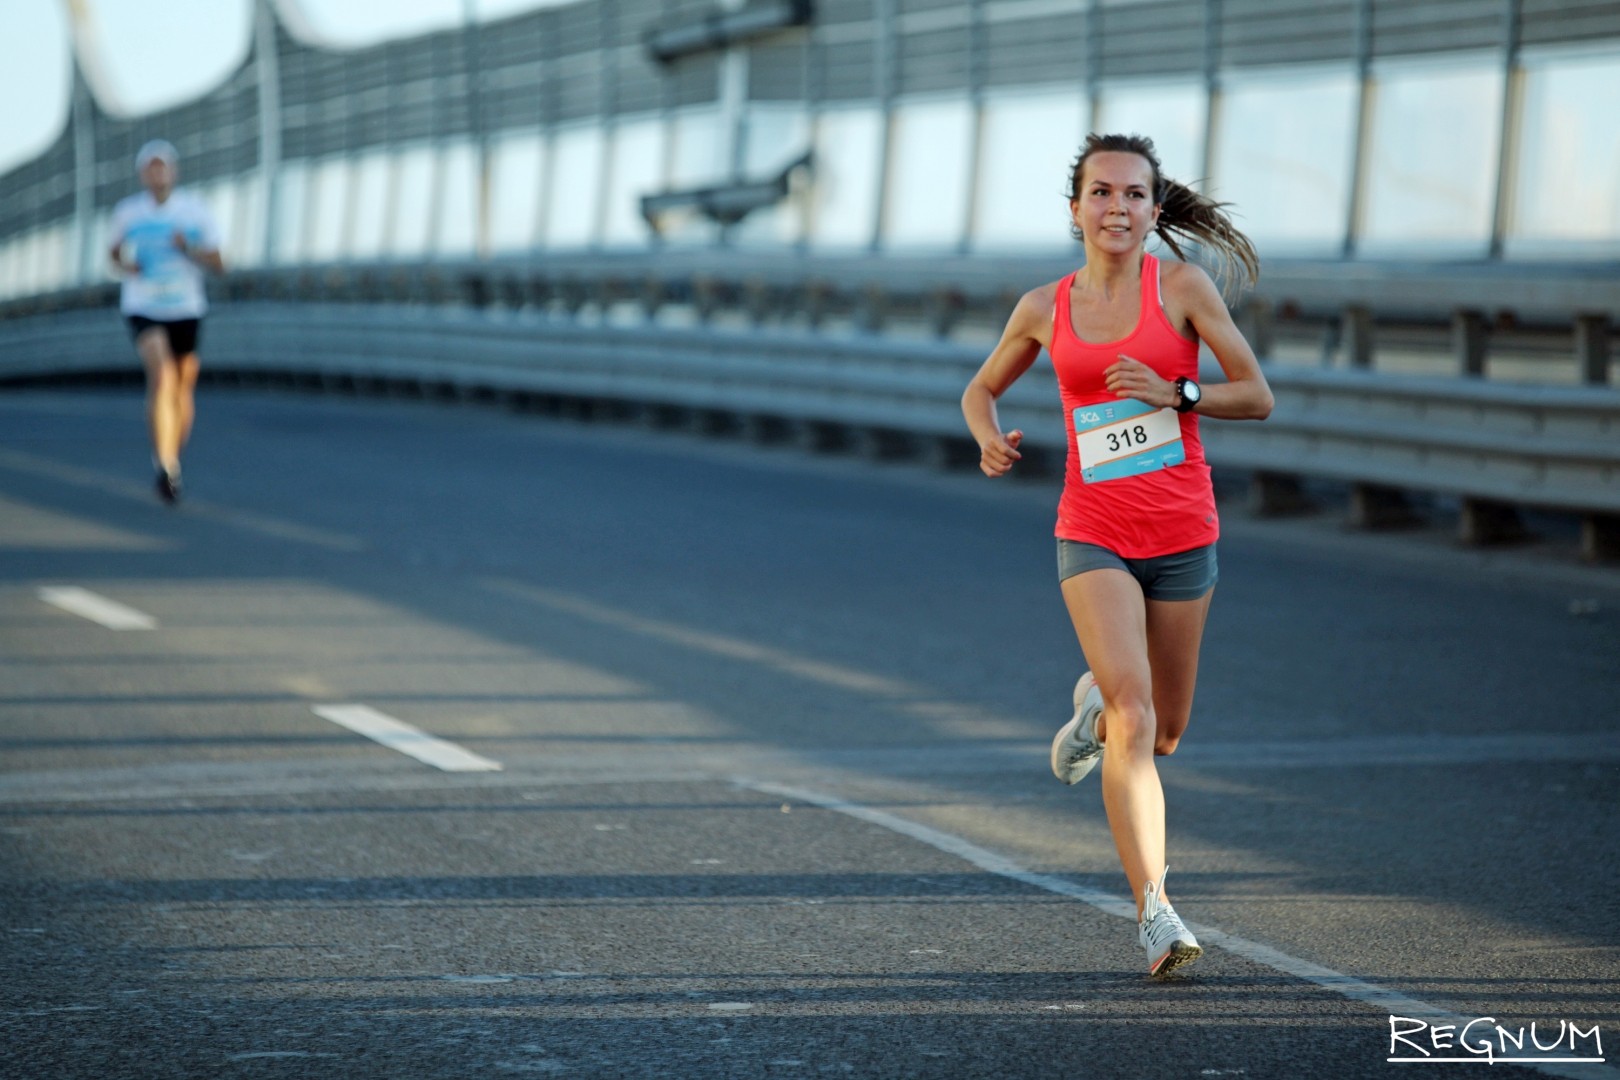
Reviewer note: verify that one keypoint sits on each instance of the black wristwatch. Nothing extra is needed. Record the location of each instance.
(1188, 392)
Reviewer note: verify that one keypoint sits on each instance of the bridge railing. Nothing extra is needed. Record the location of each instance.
(874, 354)
(1351, 314)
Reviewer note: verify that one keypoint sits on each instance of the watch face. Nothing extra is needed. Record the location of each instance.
(1190, 391)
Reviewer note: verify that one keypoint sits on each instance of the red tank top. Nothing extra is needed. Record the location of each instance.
(1152, 513)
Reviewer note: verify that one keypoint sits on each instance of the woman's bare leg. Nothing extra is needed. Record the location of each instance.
(1175, 631)
(1144, 656)
(1110, 618)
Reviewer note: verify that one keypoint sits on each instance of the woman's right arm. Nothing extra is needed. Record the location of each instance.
(1027, 331)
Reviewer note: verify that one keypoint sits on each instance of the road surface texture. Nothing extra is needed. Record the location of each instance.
(444, 742)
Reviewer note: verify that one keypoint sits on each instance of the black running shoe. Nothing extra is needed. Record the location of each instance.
(168, 486)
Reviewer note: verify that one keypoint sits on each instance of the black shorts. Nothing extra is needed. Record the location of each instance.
(183, 333)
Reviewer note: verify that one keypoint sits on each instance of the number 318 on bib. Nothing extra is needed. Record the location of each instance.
(1126, 439)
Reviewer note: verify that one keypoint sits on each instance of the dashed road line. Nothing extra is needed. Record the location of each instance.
(96, 608)
(412, 741)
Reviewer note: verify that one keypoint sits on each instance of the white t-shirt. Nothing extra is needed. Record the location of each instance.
(169, 286)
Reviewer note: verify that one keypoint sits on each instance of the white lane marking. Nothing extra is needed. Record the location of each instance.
(96, 608)
(1345, 985)
(398, 735)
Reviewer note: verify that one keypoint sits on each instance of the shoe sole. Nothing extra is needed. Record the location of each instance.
(1180, 955)
(1067, 774)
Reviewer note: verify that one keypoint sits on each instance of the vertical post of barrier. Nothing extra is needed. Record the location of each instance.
(81, 120)
(267, 70)
(733, 148)
(85, 263)
(1357, 336)
(1507, 155)
(1212, 61)
(393, 166)
(607, 108)
(1468, 342)
(472, 40)
(547, 93)
(1094, 59)
(438, 80)
(1600, 537)
(1362, 129)
(1592, 348)
(803, 199)
(1257, 318)
(815, 92)
(885, 15)
(976, 78)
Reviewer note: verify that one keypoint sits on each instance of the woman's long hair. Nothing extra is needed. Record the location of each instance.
(1184, 214)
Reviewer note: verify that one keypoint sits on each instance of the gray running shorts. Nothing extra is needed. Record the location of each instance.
(1185, 575)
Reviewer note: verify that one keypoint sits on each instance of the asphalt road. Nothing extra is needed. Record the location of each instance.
(763, 787)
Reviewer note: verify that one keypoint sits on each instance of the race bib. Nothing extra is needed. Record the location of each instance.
(163, 267)
(1126, 438)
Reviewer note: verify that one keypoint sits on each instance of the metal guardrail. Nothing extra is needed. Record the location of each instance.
(1495, 447)
(1565, 312)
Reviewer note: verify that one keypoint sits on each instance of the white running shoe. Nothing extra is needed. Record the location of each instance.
(1075, 749)
(1168, 942)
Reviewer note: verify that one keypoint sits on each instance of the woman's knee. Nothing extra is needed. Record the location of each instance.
(1128, 724)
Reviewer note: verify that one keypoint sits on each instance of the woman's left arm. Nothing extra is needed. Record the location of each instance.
(1192, 302)
(1245, 395)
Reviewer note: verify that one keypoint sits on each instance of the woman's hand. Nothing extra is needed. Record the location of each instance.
(1027, 332)
(997, 454)
(1130, 378)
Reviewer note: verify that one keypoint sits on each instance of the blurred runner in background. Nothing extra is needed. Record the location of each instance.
(162, 241)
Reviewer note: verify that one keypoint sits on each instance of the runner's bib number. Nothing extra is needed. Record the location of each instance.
(1126, 438)
(164, 270)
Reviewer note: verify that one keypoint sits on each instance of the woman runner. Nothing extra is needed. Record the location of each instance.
(1136, 524)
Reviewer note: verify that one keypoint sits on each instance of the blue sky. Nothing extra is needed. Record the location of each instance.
(130, 49)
